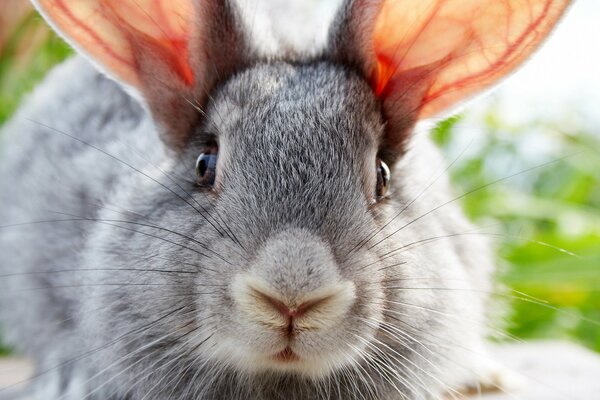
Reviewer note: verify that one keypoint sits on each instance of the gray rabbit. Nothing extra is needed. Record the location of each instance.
(188, 219)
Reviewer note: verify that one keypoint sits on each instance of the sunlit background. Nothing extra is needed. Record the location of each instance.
(544, 120)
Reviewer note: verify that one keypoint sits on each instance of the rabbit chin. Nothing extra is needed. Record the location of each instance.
(286, 360)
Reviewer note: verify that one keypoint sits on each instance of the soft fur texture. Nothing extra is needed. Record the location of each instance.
(132, 281)
(297, 156)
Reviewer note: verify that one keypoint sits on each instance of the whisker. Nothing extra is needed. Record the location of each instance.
(403, 380)
(76, 270)
(477, 189)
(128, 165)
(524, 297)
(398, 250)
(131, 354)
(373, 387)
(388, 328)
(22, 224)
(486, 356)
(226, 229)
(451, 346)
(458, 318)
(189, 353)
(409, 204)
(160, 228)
(95, 350)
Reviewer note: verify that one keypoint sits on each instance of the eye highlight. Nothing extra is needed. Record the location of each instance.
(383, 179)
(206, 166)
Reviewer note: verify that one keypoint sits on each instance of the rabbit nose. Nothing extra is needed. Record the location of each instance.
(320, 309)
(289, 311)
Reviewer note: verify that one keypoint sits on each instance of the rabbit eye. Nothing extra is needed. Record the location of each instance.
(206, 166)
(383, 179)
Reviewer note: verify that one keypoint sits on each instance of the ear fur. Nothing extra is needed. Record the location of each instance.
(424, 57)
(170, 52)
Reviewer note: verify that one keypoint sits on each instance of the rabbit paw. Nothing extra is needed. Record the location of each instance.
(491, 379)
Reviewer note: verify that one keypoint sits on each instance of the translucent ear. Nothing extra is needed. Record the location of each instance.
(455, 48)
(171, 52)
(425, 56)
(113, 32)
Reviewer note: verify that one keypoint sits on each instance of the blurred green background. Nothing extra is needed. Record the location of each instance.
(532, 216)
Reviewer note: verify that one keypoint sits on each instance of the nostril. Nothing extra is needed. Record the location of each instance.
(291, 311)
(291, 314)
(282, 308)
(318, 309)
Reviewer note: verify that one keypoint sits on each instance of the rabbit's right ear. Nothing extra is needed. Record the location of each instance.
(171, 52)
(423, 57)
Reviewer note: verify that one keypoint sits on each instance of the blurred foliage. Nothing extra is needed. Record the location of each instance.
(545, 219)
(27, 51)
(543, 209)
(4, 351)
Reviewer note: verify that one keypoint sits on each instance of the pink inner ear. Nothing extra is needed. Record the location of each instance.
(73, 21)
(110, 30)
(165, 22)
(447, 50)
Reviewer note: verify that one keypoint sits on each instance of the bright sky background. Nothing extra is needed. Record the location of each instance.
(563, 79)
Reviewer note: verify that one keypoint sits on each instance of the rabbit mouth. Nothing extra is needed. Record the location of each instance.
(283, 357)
(286, 355)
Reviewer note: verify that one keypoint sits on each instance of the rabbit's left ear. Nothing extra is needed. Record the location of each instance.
(171, 52)
(423, 57)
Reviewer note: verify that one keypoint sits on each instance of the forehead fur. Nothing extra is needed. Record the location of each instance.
(284, 94)
(298, 136)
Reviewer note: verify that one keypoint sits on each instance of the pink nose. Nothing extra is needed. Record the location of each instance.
(319, 309)
(290, 312)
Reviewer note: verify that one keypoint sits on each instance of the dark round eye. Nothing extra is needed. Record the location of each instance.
(206, 166)
(383, 179)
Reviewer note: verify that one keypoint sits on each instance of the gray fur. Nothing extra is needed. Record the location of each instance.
(149, 317)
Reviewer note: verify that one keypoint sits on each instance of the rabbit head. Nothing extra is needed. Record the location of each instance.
(284, 238)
